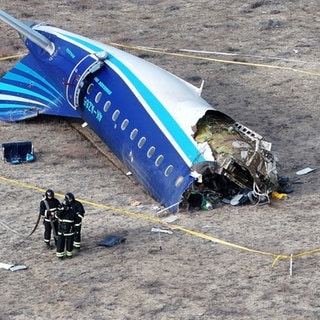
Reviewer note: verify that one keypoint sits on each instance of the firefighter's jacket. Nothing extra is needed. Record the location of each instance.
(66, 220)
(53, 205)
(79, 211)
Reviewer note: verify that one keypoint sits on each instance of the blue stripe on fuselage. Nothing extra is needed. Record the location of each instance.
(190, 150)
(14, 77)
(27, 70)
(161, 112)
(10, 88)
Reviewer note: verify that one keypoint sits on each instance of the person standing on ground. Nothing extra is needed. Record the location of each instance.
(48, 208)
(66, 220)
(79, 210)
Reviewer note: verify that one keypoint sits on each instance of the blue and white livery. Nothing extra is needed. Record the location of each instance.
(143, 113)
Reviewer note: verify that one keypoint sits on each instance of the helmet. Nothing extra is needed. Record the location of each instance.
(49, 193)
(69, 196)
(65, 203)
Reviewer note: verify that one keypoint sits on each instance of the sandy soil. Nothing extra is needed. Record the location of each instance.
(271, 86)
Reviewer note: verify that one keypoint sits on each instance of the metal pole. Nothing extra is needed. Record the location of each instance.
(28, 32)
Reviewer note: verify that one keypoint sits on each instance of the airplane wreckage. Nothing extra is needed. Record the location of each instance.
(176, 145)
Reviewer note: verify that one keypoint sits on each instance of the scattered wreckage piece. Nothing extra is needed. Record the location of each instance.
(12, 267)
(160, 230)
(111, 241)
(304, 171)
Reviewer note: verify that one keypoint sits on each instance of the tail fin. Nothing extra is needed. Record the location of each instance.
(25, 93)
(25, 90)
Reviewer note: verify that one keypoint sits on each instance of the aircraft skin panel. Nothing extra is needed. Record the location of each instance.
(135, 152)
(6, 87)
(24, 70)
(161, 116)
(25, 93)
(178, 94)
(173, 89)
(13, 78)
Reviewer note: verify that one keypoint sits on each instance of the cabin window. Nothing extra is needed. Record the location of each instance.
(168, 171)
(115, 115)
(106, 106)
(98, 97)
(141, 142)
(124, 124)
(179, 181)
(133, 134)
(159, 160)
(89, 88)
(151, 151)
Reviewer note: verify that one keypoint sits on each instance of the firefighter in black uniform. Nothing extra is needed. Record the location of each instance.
(48, 208)
(66, 220)
(79, 210)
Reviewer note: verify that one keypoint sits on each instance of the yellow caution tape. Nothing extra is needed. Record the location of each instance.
(172, 226)
(197, 57)
(12, 57)
(192, 56)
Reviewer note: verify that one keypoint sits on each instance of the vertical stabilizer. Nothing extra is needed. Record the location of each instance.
(28, 32)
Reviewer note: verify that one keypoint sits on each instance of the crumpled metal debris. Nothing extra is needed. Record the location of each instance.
(239, 164)
(240, 153)
(12, 267)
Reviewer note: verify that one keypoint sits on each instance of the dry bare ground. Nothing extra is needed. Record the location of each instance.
(182, 275)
